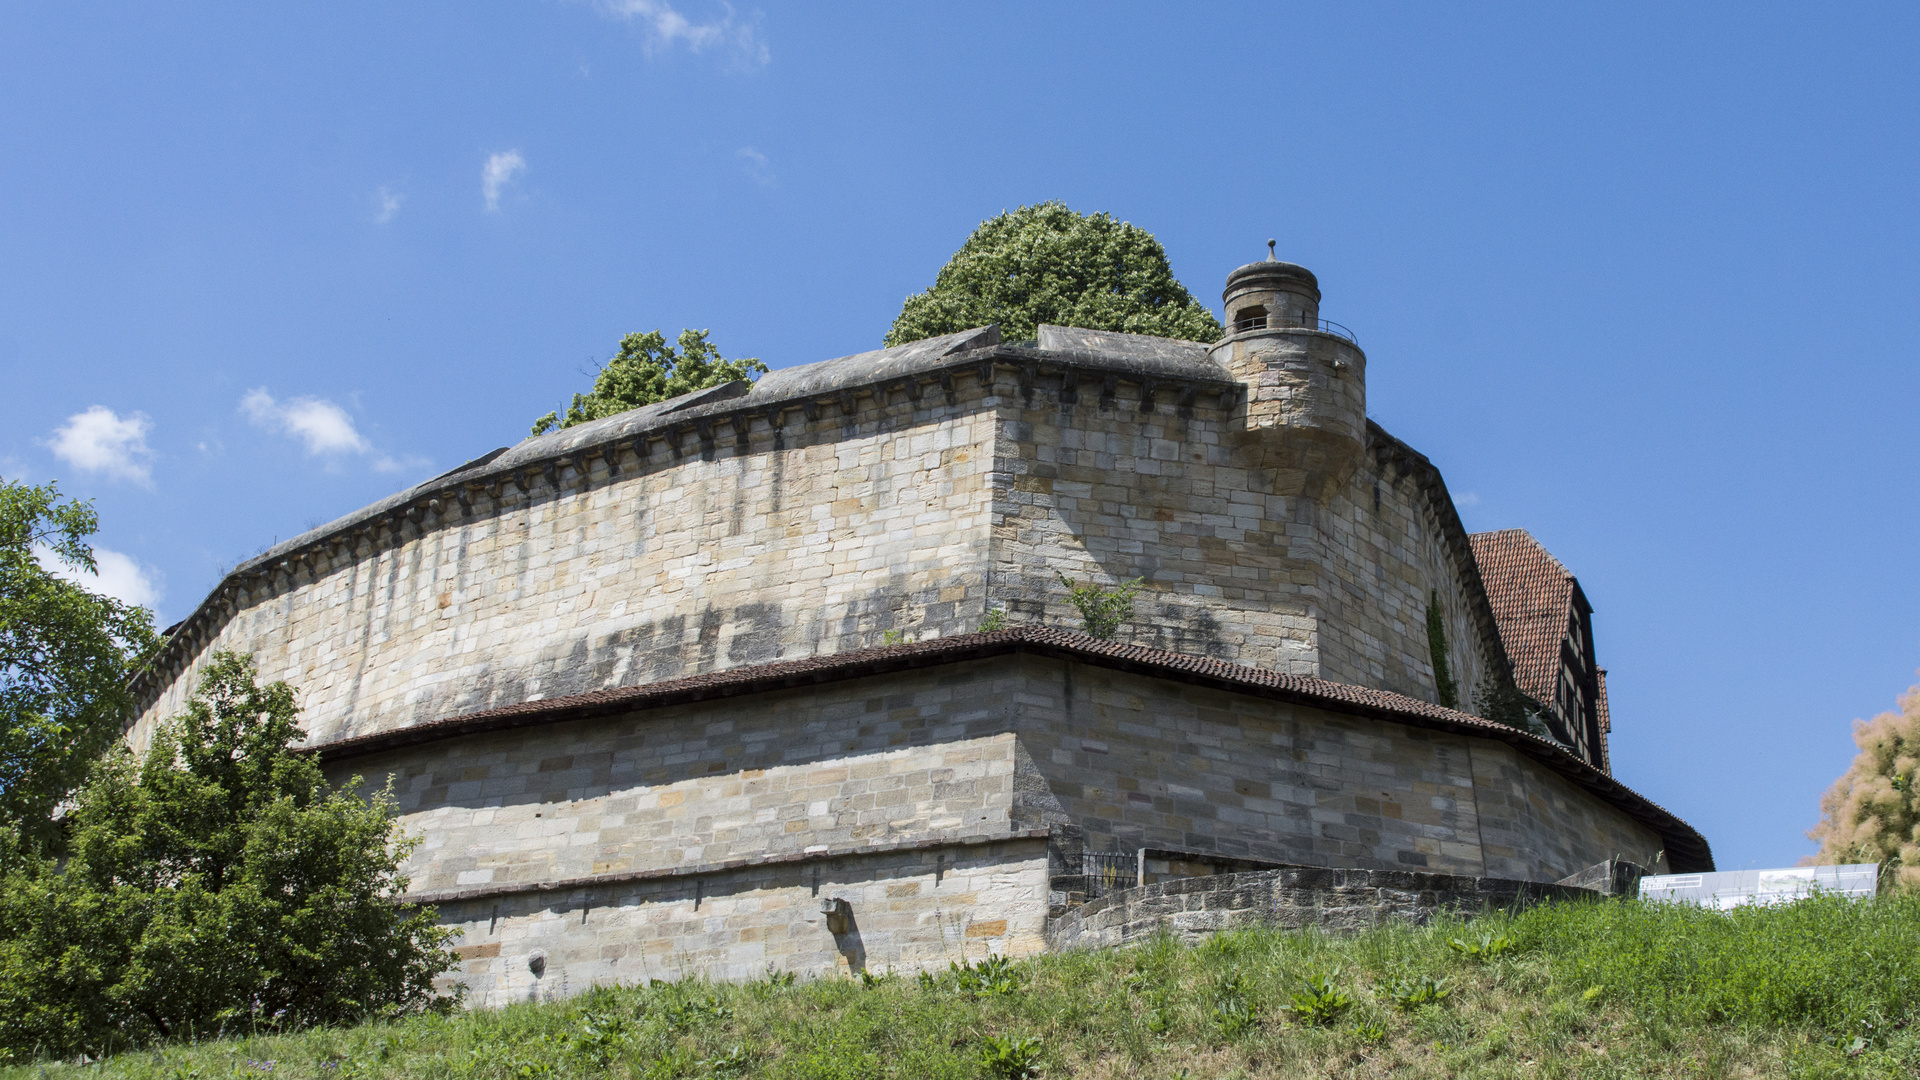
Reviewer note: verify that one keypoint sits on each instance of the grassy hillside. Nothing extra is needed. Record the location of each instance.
(1822, 988)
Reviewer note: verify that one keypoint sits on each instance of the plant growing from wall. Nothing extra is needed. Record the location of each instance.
(995, 619)
(1872, 813)
(646, 369)
(1102, 611)
(1505, 703)
(1443, 681)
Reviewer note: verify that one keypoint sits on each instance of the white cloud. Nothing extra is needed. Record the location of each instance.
(389, 206)
(1467, 498)
(389, 464)
(120, 576)
(666, 27)
(100, 440)
(499, 171)
(757, 165)
(323, 426)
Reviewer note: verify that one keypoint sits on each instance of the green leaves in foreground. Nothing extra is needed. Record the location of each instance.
(1318, 1002)
(1484, 947)
(1009, 1058)
(218, 885)
(66, 655)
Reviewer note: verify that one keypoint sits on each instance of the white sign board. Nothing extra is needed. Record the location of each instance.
(1736, 888)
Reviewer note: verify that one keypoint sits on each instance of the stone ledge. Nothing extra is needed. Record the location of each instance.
(590, 881)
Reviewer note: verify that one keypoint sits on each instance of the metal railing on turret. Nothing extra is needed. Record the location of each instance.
(1294, 322)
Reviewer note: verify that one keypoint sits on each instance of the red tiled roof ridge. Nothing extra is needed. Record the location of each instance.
(1684, 845)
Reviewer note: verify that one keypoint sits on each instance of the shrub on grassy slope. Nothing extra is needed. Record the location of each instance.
(219, 885)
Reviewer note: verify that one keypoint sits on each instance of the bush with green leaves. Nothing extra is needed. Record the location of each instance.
(1103, 611)
(217, 884)
(647, 369)
(66, 655)
(1048, 264)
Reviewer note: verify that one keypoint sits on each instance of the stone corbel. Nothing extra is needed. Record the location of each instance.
(610, 453)
(848, 402)
(1109, 387)
(811, 409)
(1070, 387)
(1188, 392)
(946, 385)
(551, 470)
(1148, 391)
(740, 422)
(985, 374)
(776, 416)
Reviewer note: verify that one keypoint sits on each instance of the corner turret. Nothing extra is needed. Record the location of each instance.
(1306, 396)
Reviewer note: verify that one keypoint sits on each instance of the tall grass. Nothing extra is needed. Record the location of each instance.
(1821, 988)
(1826, 963)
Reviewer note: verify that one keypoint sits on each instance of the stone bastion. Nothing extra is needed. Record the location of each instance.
(698, 687)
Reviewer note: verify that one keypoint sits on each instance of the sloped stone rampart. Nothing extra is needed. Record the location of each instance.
(1293, 898)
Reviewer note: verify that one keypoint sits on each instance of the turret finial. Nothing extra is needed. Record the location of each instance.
(1270, 257)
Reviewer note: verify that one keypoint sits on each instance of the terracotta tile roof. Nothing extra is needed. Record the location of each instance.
(1532, 599)
(1686, 849)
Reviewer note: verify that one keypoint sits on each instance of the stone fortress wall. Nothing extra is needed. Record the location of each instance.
(696, 687)
(631, 842)
(905, 491)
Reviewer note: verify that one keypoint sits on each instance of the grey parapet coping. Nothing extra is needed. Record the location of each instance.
(668, 873)
(1182, 371)
(1687, 850)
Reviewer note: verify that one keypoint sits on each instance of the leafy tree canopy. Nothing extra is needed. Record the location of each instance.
(65, 657)
(646, 370)
(1872, 814)
(218, 885)
(1047, 264)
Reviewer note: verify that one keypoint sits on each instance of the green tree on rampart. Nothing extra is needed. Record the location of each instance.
(66, 655)
(1048, 264)
(647, 369)
(1872, 813)
(216, 885)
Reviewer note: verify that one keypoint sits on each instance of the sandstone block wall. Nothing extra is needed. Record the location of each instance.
(1143, 762)
(814, 537)
(778, 534)
(1342, 901)
(699, 834)
(910, 911)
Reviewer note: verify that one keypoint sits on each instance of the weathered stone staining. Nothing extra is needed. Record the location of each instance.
(625, 678)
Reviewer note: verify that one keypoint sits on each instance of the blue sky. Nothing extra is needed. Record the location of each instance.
(1638, 279)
